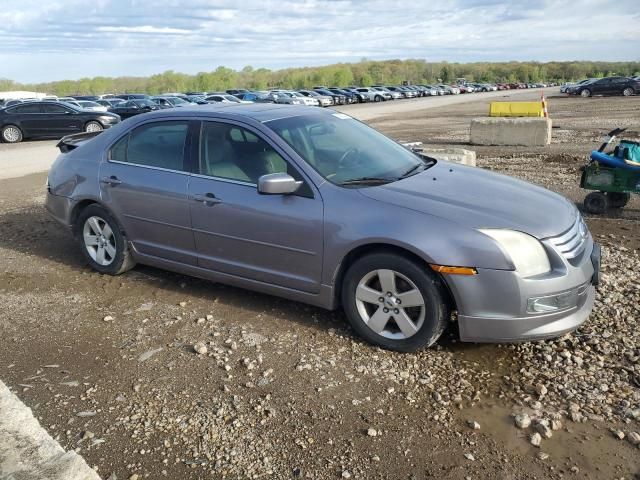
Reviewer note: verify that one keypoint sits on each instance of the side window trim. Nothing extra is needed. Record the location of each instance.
(310, 192)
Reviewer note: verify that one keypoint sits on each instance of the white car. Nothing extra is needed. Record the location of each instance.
(224, 98)
(308, 101)
(91, 106)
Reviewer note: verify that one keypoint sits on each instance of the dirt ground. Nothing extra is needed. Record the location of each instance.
(287, 390)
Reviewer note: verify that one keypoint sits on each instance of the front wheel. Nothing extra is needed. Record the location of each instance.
(377, 98)
(93, 126)
(627, 92)
(596, 203)
(394, 302)
(585, 93)
(11, 134)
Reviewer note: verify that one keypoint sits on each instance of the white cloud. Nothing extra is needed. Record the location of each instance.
(139, 37)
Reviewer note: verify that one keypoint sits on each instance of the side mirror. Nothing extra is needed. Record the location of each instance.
(277, 184)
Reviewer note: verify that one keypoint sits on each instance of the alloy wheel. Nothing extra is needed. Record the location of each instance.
(390, 304)
(93, 127)
(11, 134)
(99, 240)
(627, 92)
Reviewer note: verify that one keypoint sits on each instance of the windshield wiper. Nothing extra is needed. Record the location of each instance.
(414, 169)
(368, 181)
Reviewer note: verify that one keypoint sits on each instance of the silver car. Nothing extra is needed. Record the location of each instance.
(314, 206)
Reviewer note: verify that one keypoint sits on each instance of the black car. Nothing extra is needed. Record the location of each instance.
(50, 119)
(351, 97)
(134, 107)
(338, 98)
(132, 96)
(91, 98)
(606, 86)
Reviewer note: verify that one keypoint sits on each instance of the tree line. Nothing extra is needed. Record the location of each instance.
(366, 72)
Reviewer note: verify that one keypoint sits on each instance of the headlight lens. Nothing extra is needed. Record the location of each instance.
(527, 253)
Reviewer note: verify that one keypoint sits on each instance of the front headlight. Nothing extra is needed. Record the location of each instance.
(527, 253)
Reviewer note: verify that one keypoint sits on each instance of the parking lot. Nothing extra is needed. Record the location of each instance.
(288, 391)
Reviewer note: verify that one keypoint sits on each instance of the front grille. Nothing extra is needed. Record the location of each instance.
(572, 242)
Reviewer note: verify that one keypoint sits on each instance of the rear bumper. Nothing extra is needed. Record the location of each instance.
(59, 208)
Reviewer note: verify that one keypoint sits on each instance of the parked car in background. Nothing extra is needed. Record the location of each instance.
(134, 107)
(308, 101)
(338, 98)
(288, 201)
(111, 102)
(132, 96)
(287, 98)
(386, 93)
(168, 101)
(224, 98)
(324, 100)
(256, 97)
(360, 97)
(606, 86)
(197, 99)
(370, 94)
(92, 106)
(351, 96)
(50, 119)
(91, 98)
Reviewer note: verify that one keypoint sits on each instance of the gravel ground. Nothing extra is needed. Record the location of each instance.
(158, 375)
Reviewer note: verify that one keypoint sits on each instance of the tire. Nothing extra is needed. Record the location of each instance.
(377, 98)
(627, 92)
(93, 126)
(617, 199)
(11, 134)
(596, 203)
(365, 301)
(98, 231)
(585, 93)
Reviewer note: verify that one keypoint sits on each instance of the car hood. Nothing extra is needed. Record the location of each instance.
(477, 198)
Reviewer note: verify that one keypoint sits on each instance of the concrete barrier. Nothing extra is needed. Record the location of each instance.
(456, 155)
(528, 132)
(27, 451)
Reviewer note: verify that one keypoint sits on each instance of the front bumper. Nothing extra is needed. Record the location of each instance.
(493, 306)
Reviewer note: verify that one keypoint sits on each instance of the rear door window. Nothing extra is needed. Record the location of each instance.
(31, 108)
(159, 144)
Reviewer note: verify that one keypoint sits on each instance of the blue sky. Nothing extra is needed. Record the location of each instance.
(69, 39)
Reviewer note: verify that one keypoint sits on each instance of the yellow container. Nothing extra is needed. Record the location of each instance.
(516, 109)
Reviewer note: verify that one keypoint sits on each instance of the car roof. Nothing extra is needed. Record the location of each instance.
(261, 112)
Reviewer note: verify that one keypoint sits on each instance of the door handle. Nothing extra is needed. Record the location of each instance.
(206, 198)
(112, 180)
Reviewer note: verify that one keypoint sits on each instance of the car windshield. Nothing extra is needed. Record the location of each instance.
(88, 104)
(178, 101)
(345, 151)
(231, 98)
(144, 103)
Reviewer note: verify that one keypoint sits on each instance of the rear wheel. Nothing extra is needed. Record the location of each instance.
(596, 203)
(627, 92)
(393, 302)
(377, 98)
(618, 199)
(93, 126)
(11, 134)
(103, 244)
(585, 93)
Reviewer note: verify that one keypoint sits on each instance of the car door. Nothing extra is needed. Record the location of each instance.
(29, 118)
(61, 120)
(275, 239)
(144, 182)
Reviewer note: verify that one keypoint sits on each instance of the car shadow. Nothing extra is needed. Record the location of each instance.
(32, 232)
